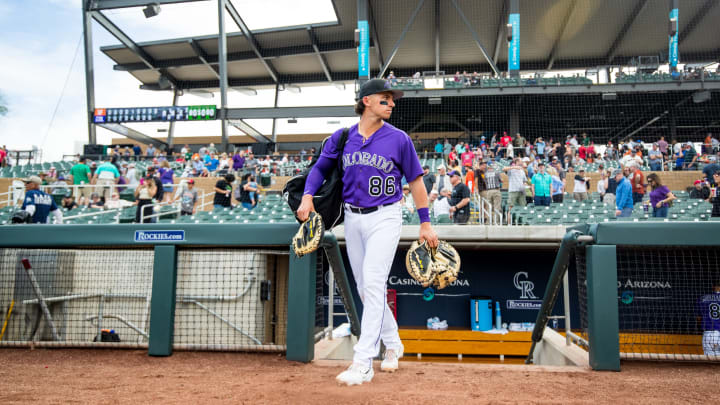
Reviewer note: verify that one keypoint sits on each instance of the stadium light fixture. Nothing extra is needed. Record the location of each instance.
(151, 10)
(293, 88)
(340, 86)
(202, 93)
(292, 121)
(245, 90)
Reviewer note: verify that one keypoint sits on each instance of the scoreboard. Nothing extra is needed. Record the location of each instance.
(155, 114)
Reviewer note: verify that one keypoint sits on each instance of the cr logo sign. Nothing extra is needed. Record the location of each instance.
(525, 286)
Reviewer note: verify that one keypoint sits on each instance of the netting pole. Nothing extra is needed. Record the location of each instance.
(162, 309)
(301, 308)
(602, 307)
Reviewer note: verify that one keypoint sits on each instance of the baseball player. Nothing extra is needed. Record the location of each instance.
(709, 311)
(375, 158)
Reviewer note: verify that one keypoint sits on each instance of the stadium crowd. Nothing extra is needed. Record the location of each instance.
(538, 173)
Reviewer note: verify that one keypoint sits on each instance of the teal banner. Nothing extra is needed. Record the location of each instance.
(673, 46)
(514, 45)
(364, 49)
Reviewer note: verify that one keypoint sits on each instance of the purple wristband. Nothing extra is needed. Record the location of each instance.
(424, 214)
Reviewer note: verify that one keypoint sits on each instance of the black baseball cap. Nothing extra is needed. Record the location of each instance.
(375, 86)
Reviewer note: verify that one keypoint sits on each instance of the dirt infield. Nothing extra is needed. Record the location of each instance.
(104, 376)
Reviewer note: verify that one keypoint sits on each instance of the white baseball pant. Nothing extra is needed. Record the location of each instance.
(371, 241)
(711, 342)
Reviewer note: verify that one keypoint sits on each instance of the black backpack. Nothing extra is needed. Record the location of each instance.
(328, 199)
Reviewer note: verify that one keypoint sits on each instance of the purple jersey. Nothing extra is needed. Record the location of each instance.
(709, 309)
(373, 169)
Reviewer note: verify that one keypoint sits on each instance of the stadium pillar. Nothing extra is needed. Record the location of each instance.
(363, 41)
(89, 72)
(274, 127)
(222, 62)
(602, 308)
(437, 37)
(171, 126)
(514, 38)
(301, 308)
(162, 310)
(673, 28)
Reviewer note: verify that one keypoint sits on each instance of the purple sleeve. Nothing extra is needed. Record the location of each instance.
(317, 174)
(409, 162)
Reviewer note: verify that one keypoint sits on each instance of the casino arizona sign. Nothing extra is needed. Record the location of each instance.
(394, 280)
(644, 284)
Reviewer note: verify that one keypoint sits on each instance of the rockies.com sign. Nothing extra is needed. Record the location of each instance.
(159, 236)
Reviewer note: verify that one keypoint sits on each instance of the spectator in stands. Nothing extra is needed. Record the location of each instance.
(637, 179)
(519, 144)
(706, 147)
(95, 201)
(710, 169)
(505, 140)
(602, 184)
(407, 200)
(144, 194)
(438, 149)
(244, 191)
(212, 149)
(663, 146)
(441, 206)
(467, 157)
(198, 165)
(150, 151)
(38, 204)
(574, 141)
(252, 163)
(690, 157)
(106, 177)
(660, 196)
(188, 197)
(80, 176)
(714, 198)
(223, 191)
(442, 181)
(540, 188)
(428, 179)
(68, 201)
(447, 148)
(655, 158)
(540, 147)
(151, 175)
(137, 150)
(167, 178)
(459, 200)
(185, 150)
(623, 195)
(3, 156)
(211, 162)
(557, 186)
(609, 196)
(391, 77)
(239, 161)
(581, 186)
(516, 184)
(700, 190)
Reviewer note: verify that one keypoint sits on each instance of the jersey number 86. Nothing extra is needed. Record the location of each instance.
(378, 186)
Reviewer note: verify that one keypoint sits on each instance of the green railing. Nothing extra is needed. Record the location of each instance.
(167, 239)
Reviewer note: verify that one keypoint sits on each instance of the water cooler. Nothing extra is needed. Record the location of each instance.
(480, 313)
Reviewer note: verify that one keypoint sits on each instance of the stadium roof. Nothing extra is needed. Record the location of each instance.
(557, 34)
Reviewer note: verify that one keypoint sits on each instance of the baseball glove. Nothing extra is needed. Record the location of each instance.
(308, 237)
(419, 263)
(446, 261)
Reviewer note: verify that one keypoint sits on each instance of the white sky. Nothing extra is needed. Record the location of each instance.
(40, 41)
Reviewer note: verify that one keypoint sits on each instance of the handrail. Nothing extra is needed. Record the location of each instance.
(177, 210)
(92, 214)
(569, 242)
(332, 251)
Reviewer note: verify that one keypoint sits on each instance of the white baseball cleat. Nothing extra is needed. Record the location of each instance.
(390, 360)
(356, 374)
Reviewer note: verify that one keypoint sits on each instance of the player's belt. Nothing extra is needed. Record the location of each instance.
(358, 210)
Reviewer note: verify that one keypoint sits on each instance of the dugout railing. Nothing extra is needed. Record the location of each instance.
(640, 287)
(163, 287)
